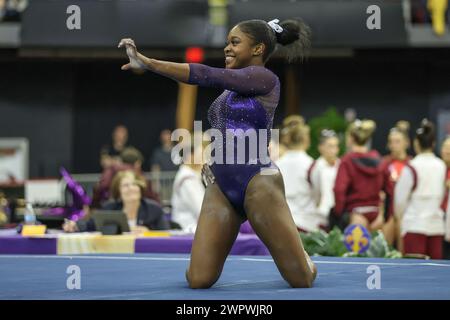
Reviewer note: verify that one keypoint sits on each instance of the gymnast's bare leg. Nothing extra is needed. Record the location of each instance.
(217, 229)
(270, 217)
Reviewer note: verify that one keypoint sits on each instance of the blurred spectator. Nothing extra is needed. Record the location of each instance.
(10, 10)
(110, 154)
(127, 190)
(322, 176)
(391, 167)
(359, 180)
(161, 158)
(294, 165)
(435, 12)
(419, 12)
(445, 154)
(4, 210)
(188, 192)
(130, 159)
(276, 147)
(2, 9)
(418, 197)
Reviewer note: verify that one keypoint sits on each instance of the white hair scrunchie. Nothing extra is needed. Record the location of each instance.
(275, 26)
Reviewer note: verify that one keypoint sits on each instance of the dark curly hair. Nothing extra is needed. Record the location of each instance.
(294, 39)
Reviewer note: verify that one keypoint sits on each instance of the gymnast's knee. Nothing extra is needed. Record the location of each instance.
(199, 281)
(301, 282)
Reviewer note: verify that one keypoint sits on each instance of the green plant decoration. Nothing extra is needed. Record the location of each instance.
(331, 244)
(330, 119)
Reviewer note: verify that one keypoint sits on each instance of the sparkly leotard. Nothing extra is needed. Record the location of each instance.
(248, 103)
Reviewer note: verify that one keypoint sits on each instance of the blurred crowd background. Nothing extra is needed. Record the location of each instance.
(65, 103)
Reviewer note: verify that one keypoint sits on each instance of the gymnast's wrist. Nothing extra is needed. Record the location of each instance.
(150, 64)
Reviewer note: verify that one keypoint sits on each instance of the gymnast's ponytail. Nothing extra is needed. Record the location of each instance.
(292, 36)
(295, 39)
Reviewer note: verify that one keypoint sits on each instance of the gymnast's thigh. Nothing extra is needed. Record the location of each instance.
(217, 229)
(270, 217)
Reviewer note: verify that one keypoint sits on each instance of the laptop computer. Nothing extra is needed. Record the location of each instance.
(110, 222)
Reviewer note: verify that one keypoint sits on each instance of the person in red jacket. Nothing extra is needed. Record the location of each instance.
(359, 180)
(445, 155)
(391, 167)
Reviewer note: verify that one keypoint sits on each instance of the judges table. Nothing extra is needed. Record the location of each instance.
(85, 243)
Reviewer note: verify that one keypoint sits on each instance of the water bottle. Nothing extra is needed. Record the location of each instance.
(30, 216)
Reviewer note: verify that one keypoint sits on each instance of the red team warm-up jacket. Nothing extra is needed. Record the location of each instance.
(358, 182)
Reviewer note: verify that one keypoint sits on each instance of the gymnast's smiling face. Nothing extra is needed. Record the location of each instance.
(241, 51)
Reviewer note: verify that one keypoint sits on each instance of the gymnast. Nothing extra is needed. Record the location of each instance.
(238, 192)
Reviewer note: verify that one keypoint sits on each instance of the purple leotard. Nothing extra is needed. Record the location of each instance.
(249, 101)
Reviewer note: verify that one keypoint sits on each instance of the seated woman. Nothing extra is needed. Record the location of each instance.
(127, 189)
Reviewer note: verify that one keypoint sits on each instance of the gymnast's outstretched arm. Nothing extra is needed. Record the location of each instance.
(173, 70)
(252, 80)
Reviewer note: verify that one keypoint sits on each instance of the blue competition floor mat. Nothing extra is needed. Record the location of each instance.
(162, 277)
